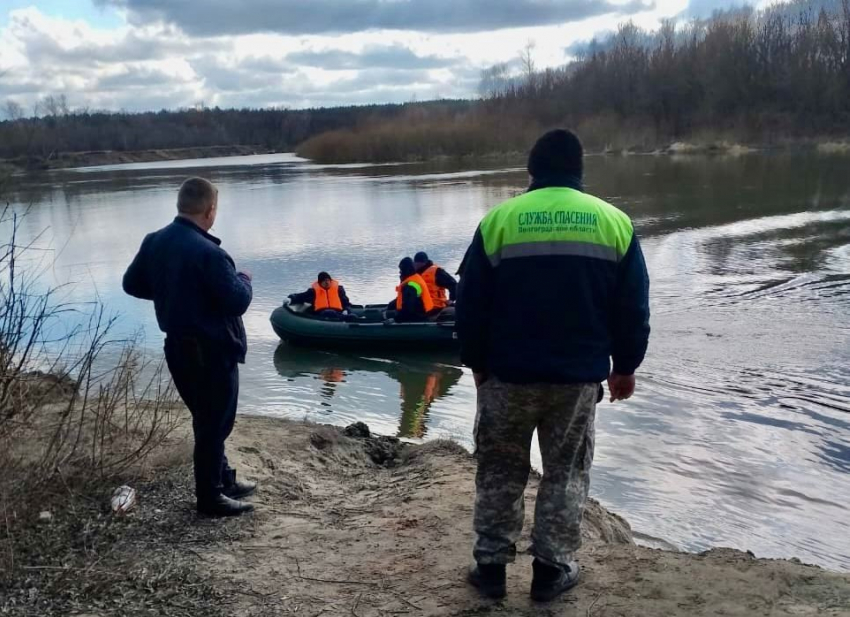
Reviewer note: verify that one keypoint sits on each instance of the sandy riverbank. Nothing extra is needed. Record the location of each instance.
(347, 525)
(115, 157)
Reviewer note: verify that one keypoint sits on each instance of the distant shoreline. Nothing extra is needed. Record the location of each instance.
(69, 160)
(341, 148)
(66, 160)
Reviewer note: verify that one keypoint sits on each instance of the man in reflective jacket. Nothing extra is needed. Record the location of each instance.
(576, 262)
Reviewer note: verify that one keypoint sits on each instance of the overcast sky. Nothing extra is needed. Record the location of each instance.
(151, 54)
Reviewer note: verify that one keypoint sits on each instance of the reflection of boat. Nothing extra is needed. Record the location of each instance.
(367, 330)
(423, 379)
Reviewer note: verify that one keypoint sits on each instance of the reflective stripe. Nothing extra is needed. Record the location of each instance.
(417, 287)
(555, 217)
(539, 249)
(418, 283)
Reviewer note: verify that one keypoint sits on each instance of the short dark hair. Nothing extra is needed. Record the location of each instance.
(421, 257)
(195, 196)
(557, 152)
(324, 276)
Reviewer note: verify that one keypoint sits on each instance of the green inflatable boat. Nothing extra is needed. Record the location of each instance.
(366, 328)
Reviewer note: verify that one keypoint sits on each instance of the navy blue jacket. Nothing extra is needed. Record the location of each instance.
(194, 286)
(553, 318)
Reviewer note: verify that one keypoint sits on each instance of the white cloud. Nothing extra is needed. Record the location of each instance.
(152, 63)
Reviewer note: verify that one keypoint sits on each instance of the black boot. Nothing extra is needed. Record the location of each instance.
(240, 489)
(222, 505)
(236, 489)
(489, 579)
(551, 581)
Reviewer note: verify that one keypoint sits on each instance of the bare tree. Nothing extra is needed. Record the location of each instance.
(13, 110)
(494, 80)
(55, 106)
(526, 57)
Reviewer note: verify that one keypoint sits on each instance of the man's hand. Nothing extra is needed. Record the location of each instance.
(247, 275)
(480, 378)
(621, 387)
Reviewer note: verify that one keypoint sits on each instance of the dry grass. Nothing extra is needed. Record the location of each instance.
(81, 411)
(429, 136)
(77, 402)
(422, 136)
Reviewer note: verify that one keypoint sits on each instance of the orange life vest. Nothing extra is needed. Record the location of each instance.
(333, 375)
(421, 287)
(417, 424)
(438, 294)
(431, 388)
(327, 298)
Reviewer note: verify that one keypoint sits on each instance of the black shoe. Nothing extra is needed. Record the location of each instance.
(239, 489)
(222, 505)
(551, 581)
(489, 579)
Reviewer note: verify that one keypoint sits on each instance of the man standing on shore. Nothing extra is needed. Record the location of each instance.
(199, 299)
(576, 263)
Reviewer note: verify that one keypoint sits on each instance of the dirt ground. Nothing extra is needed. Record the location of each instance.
(366, 527)
(337, 534)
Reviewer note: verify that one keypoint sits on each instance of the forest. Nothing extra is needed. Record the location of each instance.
(55, 128)
(762, 78)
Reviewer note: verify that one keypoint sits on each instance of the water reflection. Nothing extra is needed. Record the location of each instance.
(422, 379)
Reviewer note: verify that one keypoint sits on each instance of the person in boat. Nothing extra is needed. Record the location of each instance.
(326, 295)
(413, 300)
(200, 297)
(576, 262)
(441, 285)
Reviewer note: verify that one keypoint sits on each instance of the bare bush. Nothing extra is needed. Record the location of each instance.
(76, 400)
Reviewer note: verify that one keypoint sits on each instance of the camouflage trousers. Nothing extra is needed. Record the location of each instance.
(507, 416)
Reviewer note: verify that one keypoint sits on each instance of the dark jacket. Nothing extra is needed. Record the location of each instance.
(309, 297)
(412, 308)
(194, 286)
(443, 279)
(535, 306)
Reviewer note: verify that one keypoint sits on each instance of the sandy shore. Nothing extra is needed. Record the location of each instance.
(115, 157)
(367, 527)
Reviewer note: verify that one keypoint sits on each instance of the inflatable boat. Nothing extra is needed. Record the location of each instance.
(364, 328)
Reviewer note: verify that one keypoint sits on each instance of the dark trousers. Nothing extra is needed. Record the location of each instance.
(208, 382)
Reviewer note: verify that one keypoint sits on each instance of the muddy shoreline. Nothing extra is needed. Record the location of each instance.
(352, 524)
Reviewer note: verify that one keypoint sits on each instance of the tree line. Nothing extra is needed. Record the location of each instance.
(53, 128)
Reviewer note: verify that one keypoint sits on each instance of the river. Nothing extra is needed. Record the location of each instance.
(739, 434)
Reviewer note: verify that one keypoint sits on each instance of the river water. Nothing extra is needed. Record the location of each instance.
(739, 434)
